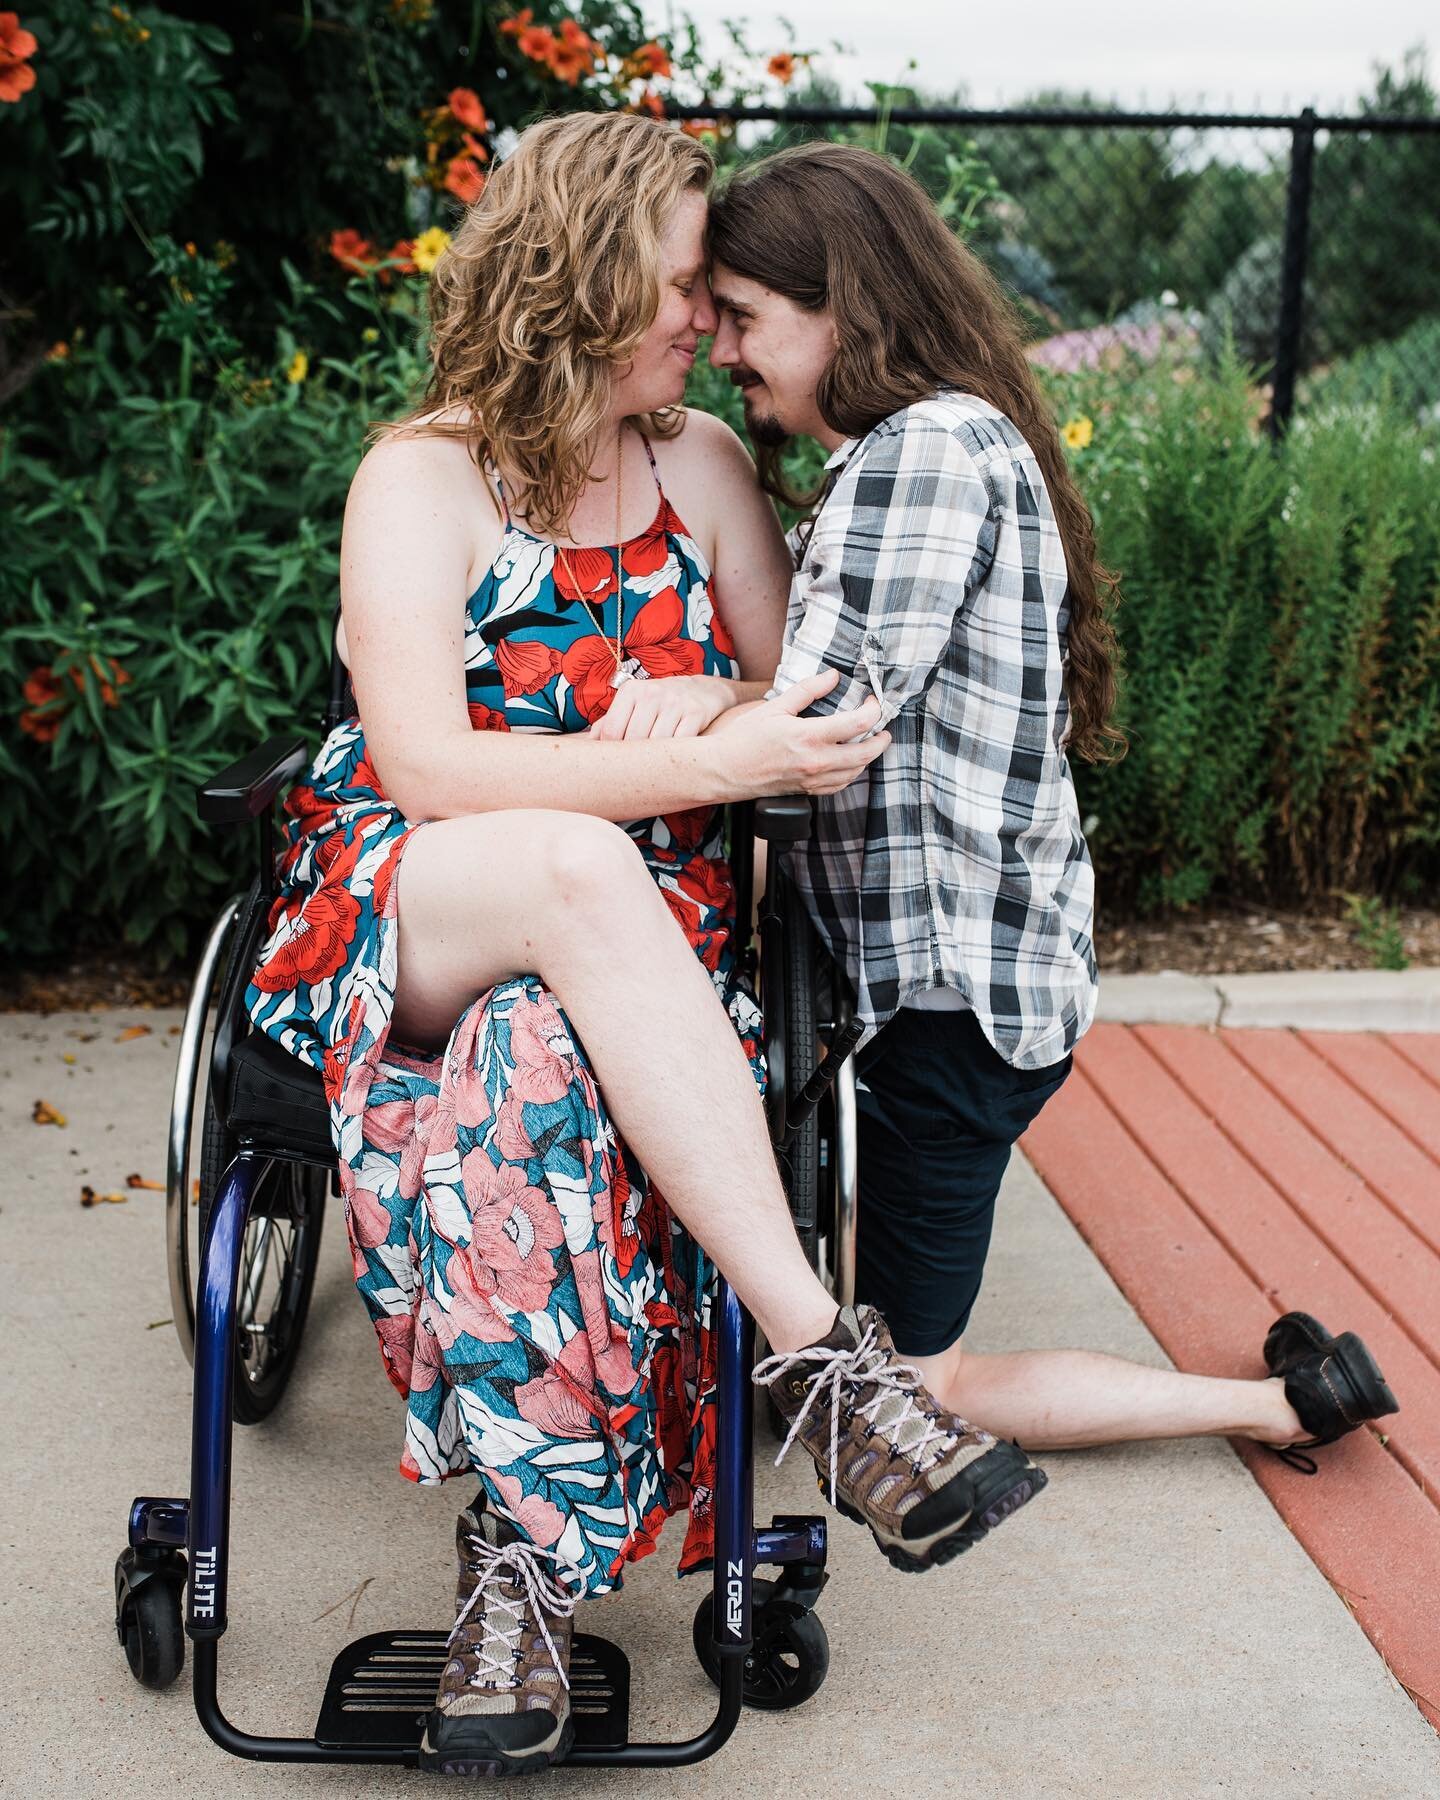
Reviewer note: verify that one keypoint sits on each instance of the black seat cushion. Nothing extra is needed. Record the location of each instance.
(277, 1101)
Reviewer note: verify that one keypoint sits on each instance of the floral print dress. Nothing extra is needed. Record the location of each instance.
(545, 1317)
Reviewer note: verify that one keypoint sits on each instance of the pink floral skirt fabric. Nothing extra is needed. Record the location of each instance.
(544, 1315)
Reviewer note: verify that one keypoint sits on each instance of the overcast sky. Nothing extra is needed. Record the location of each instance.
(1241, 55)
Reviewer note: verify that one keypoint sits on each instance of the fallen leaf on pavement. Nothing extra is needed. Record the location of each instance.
(88, 1197)
(133, 1031)
(45, 1114)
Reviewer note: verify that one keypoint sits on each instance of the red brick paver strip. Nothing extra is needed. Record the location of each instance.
(1224, 1177)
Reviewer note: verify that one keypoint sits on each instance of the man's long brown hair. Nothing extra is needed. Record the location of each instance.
(836, 227)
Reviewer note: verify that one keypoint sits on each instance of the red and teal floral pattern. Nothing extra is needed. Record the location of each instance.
(544, 1315)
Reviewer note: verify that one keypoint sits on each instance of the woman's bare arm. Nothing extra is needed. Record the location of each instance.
(748, 557)
(410, 532)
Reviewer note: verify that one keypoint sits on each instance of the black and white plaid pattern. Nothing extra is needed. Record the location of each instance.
(935, 578)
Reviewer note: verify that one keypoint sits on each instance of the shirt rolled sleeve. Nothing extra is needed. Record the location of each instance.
(906, 534)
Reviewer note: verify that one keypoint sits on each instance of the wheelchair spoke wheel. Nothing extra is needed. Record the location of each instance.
(278, 1258)
(277, 1268)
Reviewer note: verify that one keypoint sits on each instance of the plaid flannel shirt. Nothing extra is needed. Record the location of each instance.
(934, 577)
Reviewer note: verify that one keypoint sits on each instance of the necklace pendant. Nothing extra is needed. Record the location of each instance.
(630, 670)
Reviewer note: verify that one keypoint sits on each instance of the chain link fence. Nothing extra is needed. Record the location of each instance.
(1312, 242)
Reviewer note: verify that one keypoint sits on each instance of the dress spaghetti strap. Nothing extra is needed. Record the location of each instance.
(650, 457)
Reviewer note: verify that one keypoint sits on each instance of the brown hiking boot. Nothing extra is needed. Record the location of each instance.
(926, 1483)
(503, 1706)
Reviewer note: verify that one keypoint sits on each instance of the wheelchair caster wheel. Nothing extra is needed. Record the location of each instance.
(149, 1592)
(789, 1655)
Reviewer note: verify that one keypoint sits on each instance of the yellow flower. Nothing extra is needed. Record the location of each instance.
(299, 367)
(430, 246)
(370, 335)
(1078, 433)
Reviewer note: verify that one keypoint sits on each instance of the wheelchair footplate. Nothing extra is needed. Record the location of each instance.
(382, 1686)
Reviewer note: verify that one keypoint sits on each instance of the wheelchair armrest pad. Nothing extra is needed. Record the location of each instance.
(248, 787)
(783, 818)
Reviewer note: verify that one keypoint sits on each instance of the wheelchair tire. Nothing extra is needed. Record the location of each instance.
(802, 955)
(149, 1598)
(277, 1266)
(789, 1654)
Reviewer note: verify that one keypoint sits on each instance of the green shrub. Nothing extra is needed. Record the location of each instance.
(1405, 370)
(1356, 730)
(1183, 494)
(1281, 637)
(1246, 307)
(193, 538)
(266, 130)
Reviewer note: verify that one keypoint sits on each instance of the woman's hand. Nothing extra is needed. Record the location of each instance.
(665, 706)
(765, 748)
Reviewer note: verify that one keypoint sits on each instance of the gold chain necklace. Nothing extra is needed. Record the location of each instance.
(616, 649)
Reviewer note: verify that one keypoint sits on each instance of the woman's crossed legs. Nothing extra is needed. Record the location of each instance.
(568, 897)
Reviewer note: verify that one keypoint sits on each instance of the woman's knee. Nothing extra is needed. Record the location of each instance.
(495, 895)
(583, 862)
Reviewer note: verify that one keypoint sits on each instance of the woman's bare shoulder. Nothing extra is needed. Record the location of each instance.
(418, 497)
(705, 456)
(408, 472)
(406, 446)
(703, 435)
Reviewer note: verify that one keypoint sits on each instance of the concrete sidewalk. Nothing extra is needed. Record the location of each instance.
(1147, 1628)
(1302, 999)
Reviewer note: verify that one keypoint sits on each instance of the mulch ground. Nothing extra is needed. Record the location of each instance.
(1212, 943)
(1225, 1177)
(1251, 942)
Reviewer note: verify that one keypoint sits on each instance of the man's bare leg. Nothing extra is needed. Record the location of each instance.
(1067, 1399)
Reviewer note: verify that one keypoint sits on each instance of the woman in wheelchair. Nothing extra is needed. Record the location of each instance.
(541, 1061)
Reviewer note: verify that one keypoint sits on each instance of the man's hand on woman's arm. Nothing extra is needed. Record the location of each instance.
(773, 750)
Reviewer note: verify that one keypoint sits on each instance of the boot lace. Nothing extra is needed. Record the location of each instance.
(517, 1568)
(866, 1365)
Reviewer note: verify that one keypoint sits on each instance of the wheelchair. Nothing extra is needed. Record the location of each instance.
(266, 1167)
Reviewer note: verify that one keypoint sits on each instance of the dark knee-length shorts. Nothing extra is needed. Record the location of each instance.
(939, 1109)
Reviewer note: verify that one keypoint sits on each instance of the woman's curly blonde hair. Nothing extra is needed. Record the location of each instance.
(551, 282)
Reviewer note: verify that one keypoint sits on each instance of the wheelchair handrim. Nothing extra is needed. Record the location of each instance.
(182, 1116)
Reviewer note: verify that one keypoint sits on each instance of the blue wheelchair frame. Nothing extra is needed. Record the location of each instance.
(201, 1525)
(160, 1529)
